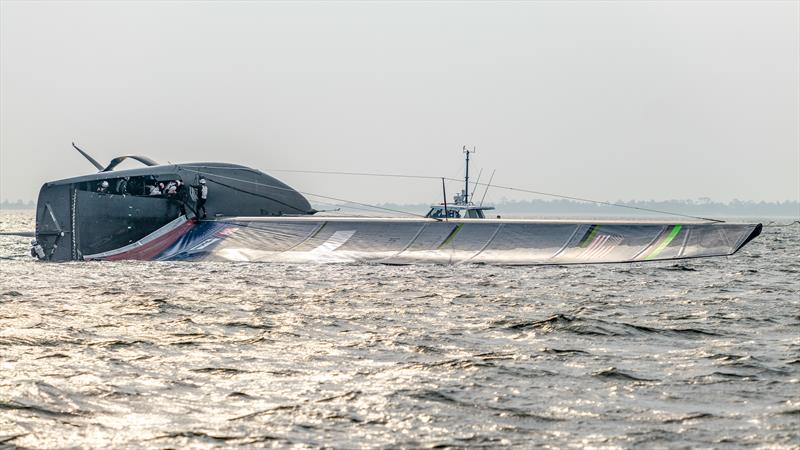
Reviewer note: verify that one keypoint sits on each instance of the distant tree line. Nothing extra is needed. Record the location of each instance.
(19, 204)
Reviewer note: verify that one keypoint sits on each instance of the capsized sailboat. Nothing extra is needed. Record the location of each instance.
(252, 216)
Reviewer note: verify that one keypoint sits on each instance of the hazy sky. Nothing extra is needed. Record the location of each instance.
(626, 100)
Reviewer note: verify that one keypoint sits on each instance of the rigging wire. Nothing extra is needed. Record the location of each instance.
(366, 174)
(487, 187)
(639, 208)
(508, 188)
(213, 175)
(476, 186)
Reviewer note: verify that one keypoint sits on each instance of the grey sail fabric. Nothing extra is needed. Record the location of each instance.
(420, 241)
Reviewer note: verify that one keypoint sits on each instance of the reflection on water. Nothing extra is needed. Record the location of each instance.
(701, 353)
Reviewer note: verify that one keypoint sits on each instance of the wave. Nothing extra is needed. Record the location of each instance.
(615, 374)
(599, 327)
(19, 406)
(690, 417)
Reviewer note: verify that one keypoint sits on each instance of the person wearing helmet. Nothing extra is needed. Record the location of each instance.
(103, 188)
(172, 188)
(182, 195)
(122, 185)
(202, 196)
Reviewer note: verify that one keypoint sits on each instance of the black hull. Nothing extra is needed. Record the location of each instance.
(74, 220)
(105, 222)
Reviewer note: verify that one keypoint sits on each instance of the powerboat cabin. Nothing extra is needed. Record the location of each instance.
(457, 211)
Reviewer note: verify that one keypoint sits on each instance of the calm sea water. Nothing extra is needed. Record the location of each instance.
(136, 354)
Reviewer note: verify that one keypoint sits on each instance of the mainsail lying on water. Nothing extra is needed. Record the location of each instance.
(415, 241)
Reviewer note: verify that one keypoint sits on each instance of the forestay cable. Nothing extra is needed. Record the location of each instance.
(603, 203)
(509, 188)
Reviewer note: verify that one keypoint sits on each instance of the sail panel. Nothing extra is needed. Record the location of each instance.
(398, 241)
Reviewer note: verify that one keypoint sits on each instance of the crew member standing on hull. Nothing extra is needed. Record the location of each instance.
(202, 196)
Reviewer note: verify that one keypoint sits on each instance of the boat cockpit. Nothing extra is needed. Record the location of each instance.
(143, 185)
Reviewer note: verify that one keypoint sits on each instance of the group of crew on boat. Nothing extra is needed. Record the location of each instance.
(150, 186)
(139, 186)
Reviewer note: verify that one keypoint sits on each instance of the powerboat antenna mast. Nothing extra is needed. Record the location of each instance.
(464, 200)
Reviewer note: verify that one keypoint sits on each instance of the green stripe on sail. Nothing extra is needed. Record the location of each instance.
(590, 234)
(665, 242)
(450, 236)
